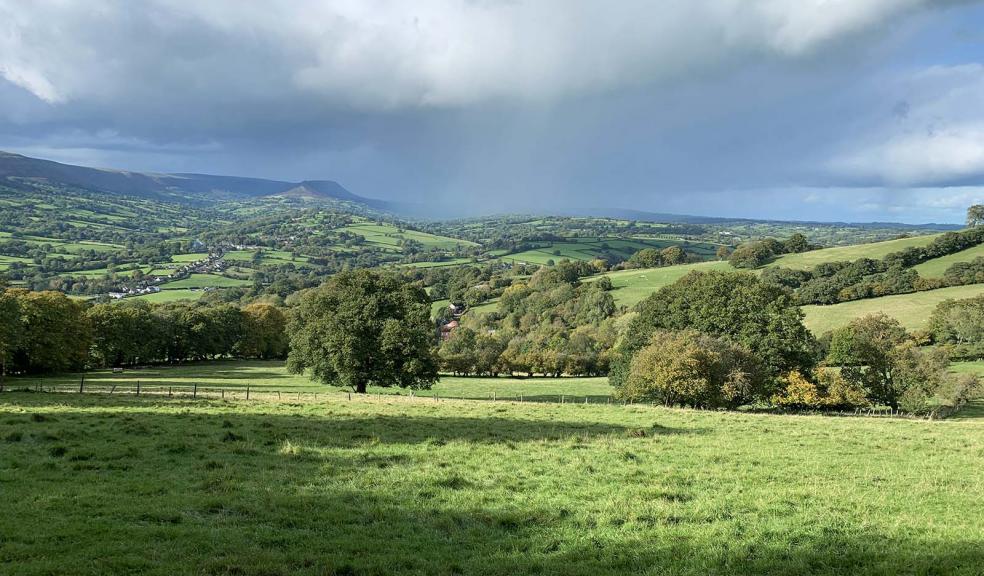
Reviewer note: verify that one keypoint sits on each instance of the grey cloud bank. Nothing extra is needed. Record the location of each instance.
(773, 108)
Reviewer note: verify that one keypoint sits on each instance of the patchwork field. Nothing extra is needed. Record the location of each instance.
(912, 310)
(874, 250)
(391, 236)
(99, 484)
(632, 286)
(937, 266)
(588, 249)
(171, 295)
(205, 281)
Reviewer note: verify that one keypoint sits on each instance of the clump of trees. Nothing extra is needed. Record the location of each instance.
(760, 252)
(690, 368)
(739, 313)
(551, 323)
(45, 332)
(876, 354)
(722, 340)
(655, 257)
(958, 326)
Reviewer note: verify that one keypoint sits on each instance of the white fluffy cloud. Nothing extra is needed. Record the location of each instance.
(385, 54)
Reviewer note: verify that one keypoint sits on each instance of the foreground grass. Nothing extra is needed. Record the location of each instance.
(110, 485)
(912, 310)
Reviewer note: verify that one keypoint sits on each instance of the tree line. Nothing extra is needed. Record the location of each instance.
(45, 332)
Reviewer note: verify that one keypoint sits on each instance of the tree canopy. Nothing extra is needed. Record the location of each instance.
(738, 306)
(361, 328)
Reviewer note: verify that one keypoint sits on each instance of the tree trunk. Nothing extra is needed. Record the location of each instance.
(360, 387)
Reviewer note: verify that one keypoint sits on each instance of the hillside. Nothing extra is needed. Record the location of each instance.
(629, 287)
(19, 171)
(874, 250)
(911, 310)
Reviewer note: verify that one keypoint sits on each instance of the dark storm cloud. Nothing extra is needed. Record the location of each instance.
(694, 106)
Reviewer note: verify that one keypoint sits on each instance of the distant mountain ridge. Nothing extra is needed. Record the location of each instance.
(18, 170)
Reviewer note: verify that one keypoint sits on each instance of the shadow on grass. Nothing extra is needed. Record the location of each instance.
(974, 410)
(331, 429)
(223, 492)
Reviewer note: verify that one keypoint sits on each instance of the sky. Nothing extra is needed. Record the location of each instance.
(847, 110)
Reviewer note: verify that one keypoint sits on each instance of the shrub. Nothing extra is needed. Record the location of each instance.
(694, 369)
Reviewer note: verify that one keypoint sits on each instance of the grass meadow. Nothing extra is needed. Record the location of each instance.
(629, 287)
(100, 484)
(873, 250)
(937, 266)
(912, 310)
(171, 295)
(267, 377)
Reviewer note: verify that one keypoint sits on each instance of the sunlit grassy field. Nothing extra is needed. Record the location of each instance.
(937, 266)
(171, 295)
(632, 286)
(205, 281)
(912, 310)
(99, 484)
(874, 250)
(265, 378)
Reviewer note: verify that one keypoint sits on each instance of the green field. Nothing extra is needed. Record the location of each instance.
(171, 296)
(912, 310)
(267, 257)
(586, 249)
(387, 235)
(937, 266)
(186, 258)
(632, 286)
(99, 484)
(205, 281)
(874, 250)
(265, 377)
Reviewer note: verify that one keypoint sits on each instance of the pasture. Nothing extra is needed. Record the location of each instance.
(912, 310)
(271, 376)
(873, 250)
(936, 267)
(170, 295)
(389, 236)
(586, 249)
(205, 281)
(629, 287)
(99, 484)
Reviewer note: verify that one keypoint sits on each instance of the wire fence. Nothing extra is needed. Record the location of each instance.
(248, 392)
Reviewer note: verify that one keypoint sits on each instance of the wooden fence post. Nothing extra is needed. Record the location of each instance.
(138, 387)
(194, 392)
(247, 391)
(82, 383)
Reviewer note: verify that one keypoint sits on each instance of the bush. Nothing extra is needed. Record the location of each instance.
(694, 369)
(751, 255)
(828, 390)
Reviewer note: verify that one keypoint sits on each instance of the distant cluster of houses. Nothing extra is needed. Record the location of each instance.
(136, 291)
(151, 284)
